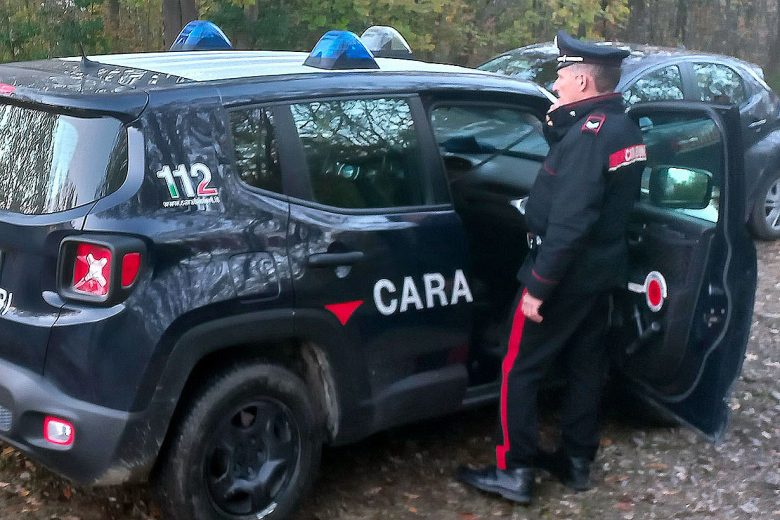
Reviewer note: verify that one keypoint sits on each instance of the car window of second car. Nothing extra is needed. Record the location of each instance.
(718, 83)
(539, 67)
(361, 153)
(658, 85)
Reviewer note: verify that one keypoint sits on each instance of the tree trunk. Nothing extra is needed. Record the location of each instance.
(176, 14)
(773, 60)
(636, 31)
(112, 17)
(681, 22)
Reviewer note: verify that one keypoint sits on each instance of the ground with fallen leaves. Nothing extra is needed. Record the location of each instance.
(406, 474)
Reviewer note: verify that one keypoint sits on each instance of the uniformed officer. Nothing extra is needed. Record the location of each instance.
(576, 213)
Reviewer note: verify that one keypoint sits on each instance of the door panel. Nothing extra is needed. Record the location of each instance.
(378, 251)
(697, 262)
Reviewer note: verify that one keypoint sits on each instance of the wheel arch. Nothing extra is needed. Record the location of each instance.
(315, 350)
(761, 160)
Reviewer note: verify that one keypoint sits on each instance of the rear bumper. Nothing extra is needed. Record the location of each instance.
(26, 398)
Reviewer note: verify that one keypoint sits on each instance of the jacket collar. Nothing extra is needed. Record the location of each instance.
(560, 120)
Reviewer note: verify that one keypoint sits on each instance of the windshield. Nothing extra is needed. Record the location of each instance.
(53, 162)
(533, 66)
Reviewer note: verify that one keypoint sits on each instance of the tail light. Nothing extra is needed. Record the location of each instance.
(92, 270)
(58, 431)
(99, 268)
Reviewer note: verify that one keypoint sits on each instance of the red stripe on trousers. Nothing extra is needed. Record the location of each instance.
(513, 351)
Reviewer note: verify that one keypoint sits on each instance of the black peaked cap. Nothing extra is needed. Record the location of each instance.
(571, 51)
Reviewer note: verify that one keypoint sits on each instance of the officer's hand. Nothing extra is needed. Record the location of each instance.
(554, 106)
(530, 306)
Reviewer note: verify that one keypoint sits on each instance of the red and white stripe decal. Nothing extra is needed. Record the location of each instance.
(515, 337)
(627, 156)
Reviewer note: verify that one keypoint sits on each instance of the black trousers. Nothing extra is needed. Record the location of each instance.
(573, 328)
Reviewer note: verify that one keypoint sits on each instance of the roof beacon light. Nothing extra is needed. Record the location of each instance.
(386, 42)
(338, 50)
(201, 35)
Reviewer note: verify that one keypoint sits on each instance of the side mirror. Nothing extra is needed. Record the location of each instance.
(680, 188)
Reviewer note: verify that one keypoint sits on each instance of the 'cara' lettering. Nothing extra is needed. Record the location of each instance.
(434, 288)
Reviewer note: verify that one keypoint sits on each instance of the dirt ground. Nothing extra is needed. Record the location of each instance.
(407, 473)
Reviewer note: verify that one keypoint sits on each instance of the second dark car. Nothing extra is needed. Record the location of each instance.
(663, 74)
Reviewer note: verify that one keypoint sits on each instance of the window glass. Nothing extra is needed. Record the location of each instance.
(53, 162)
(539, 67)
(719, 84)
(487, 130)
(361, 153)
(684, 155)
(658, 85)
(257, 157)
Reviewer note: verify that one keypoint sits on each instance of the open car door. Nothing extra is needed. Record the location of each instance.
(683, 322)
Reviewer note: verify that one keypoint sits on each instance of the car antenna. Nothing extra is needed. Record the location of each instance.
(86, 63)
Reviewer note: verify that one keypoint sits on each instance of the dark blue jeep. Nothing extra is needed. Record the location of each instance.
(213, 263)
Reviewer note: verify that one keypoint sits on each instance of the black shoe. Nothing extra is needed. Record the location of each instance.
(573, 472)
(514, 484)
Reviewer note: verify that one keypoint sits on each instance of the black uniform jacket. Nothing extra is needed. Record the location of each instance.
(581, 199)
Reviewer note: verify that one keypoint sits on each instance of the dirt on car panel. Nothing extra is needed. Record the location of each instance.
(406, 473)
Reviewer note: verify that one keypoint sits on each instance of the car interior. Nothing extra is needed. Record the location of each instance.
(488, 177)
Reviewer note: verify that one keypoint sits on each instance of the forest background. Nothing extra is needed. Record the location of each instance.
(464, 32)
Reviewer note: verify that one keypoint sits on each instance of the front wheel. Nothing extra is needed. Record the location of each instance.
(765, 218)
(248, 448)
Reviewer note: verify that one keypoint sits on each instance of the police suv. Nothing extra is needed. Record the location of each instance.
(213, 263)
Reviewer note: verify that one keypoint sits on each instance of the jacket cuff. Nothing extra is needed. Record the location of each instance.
(538, 286)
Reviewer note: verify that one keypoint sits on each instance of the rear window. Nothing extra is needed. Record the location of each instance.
(53, 162)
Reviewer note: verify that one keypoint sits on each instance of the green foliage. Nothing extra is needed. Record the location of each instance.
(50, 29)
(458, 31)
(451, 31)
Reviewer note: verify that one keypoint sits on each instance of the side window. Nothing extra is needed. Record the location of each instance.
(659, 85)
(719, 84)
(486, 130)
(257, 157)
(684, 171)
(361, 153)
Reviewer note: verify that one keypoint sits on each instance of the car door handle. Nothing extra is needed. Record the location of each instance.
(335, 259)
(757, 124)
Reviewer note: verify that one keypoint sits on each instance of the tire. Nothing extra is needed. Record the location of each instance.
(248, 448)
(765, 217)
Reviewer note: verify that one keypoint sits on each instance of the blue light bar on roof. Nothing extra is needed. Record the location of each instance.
(338, 50)
(201, 35)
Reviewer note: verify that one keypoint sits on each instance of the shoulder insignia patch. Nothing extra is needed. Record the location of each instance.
(626, 156)
(594, 123)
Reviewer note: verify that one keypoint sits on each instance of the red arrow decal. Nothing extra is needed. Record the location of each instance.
(344, 311)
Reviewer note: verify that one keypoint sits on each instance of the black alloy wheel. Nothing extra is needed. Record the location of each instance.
(247, 448)
(252, 457)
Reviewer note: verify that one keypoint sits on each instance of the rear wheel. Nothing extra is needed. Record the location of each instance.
(248, 448)
(765, 218)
